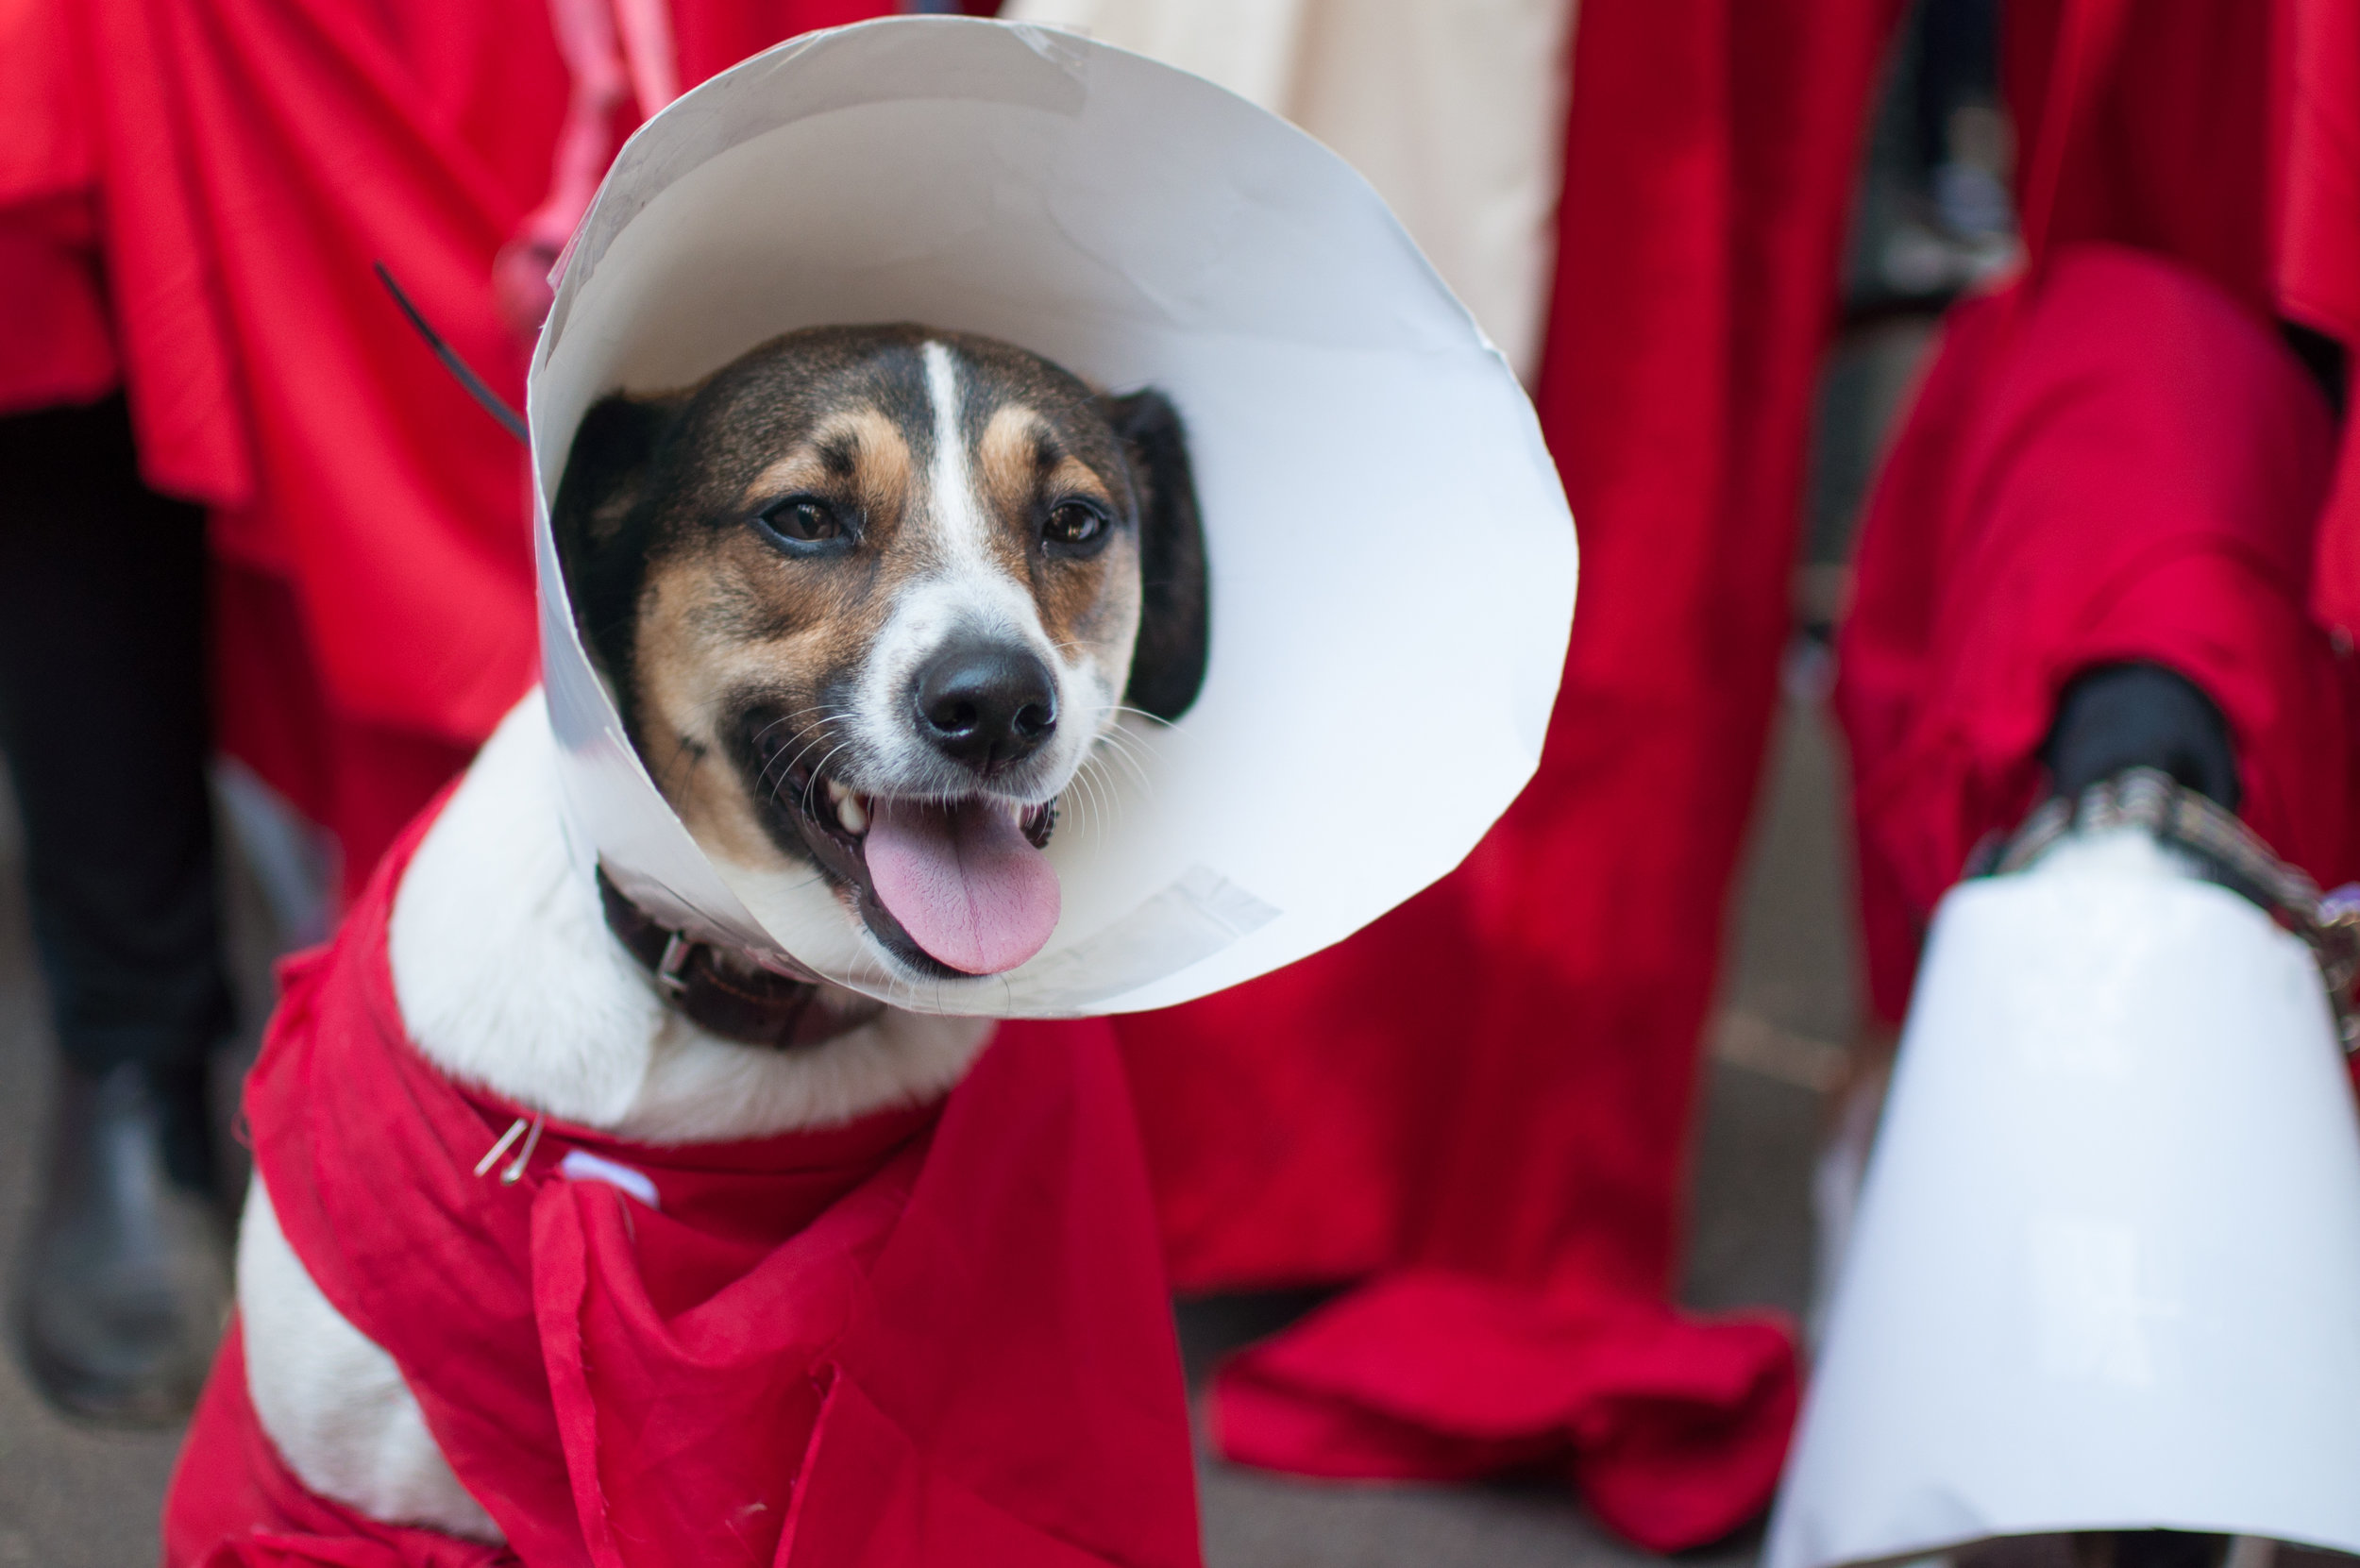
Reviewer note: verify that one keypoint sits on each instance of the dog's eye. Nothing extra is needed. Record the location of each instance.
(802, 520)
(1073, 523)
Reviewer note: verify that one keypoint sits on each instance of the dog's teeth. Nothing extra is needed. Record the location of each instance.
(849, 812)
(836, 792)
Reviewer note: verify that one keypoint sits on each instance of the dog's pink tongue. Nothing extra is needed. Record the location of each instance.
(963, 881)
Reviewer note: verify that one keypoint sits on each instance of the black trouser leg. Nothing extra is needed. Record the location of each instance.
(1958, 65)
(103, 717)
(124, 1280)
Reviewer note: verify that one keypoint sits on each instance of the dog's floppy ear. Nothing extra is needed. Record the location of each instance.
(608, 471)
(1168, 665)
(600, 518)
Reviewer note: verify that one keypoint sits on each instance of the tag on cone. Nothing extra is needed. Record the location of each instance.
(2106, 1268)
(1392, 559)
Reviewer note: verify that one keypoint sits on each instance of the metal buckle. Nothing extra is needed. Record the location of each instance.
(2227, 852)
(671, 968)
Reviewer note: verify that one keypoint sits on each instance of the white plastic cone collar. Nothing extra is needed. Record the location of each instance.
(2106, 1270)
(1392, 563)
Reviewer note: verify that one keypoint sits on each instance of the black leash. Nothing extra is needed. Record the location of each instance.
(734, 999)
(513, 422)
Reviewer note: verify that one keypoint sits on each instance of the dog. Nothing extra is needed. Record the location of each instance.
(868, 598)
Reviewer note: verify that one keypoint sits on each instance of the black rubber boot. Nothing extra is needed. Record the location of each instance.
(2116, 717)
(126, 1280)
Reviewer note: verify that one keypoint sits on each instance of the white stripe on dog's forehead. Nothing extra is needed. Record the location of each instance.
(969, 570)
(958, 514)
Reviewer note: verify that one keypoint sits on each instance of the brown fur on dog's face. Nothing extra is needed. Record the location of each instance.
(789, 569)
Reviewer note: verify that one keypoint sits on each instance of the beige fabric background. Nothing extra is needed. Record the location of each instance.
(1454, 109)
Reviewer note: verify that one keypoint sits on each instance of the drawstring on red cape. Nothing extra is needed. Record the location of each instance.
(525, 274)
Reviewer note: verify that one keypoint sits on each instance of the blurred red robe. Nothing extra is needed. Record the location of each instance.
(55, 342)
(2113, 462)
(1480, 1106)
(231, 170)
(2224, 133)
(2116, 460)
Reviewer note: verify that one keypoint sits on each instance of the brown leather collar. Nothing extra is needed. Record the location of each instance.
(725, 995)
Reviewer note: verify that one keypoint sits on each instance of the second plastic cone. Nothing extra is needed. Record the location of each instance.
(2106, 1268)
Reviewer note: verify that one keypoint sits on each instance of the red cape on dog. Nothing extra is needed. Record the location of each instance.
(935, 1335)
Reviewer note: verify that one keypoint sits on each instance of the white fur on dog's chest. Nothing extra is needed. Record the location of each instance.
(508, 978)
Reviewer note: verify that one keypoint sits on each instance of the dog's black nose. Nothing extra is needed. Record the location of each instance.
(986, 704)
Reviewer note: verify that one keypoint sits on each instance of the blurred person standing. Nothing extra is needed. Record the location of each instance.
(124, 1277)
(2120, 525)
(1477, 1112)
(191, 199)
(2122, 521)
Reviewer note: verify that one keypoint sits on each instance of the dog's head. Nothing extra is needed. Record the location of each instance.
(868, 597)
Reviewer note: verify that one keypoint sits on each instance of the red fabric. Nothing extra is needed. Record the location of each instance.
(2318, 229)
(2115, 461)
(365, 780)
(234, 1504)
(245, 162)
(1428, 1375)
(933, 1336)
(55, 345)
(52, 315)
(2225, 133)
(1496, 1081)
(256, 157)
